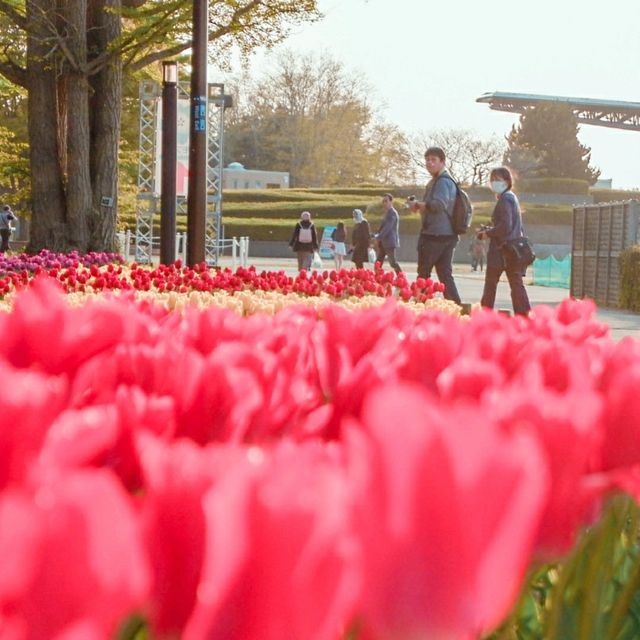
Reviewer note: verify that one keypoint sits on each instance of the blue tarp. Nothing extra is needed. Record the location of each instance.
(550, 272)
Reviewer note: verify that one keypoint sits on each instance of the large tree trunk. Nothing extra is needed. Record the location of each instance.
(74, 126)
(48, 228)
(79, 192)
(106, 105)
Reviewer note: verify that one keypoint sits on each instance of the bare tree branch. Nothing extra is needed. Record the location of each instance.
(14, 73)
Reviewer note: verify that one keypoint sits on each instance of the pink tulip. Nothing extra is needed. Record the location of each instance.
(445, 505)
(71, 556)
(280, 560)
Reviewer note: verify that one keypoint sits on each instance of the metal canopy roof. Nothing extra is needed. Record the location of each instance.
(603, 113)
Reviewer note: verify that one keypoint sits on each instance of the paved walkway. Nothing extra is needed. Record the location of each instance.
(621, 323)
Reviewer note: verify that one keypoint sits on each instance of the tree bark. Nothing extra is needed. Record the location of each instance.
(79, 193)
(106, 108)
(48, 226)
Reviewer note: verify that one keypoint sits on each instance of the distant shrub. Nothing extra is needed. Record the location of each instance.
(291, 211)
(268, 195)
(478, 193)
(568, 186)
(611, 195)
(630, 278)
(374, 192)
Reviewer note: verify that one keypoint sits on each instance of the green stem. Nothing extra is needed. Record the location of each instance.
(622, 606)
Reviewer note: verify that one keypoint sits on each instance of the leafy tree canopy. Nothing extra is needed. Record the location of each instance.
(311, 117)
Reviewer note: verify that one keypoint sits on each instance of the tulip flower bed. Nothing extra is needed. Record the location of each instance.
(46, 260)
(248, 302)
(317, 474)
(185, 285)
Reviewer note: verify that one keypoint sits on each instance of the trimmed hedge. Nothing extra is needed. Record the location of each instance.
(563, 186)
(374, 192)
(313, 194)
(478, 193)
(291, 211)
(546, 214)
(610, 195)
(630, 278)
(271, 214)
(269, 195)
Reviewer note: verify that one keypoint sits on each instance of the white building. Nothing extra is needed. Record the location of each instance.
(235, 176)
(603, 183)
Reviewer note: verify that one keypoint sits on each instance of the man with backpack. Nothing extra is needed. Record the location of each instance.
(6, 218)
(304, 241)
(438, 238)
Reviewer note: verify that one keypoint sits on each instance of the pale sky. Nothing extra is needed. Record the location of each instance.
(428, 61)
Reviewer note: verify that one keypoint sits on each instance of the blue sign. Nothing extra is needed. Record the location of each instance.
(327, 244)
(199, 106)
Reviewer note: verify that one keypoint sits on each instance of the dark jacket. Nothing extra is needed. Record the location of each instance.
(304, 246)
(506, 221)
(360, 239)
(389, 233)
(339, 235)
(440, 198)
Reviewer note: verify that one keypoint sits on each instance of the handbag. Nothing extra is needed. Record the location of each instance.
(316, 262)
(518, 253)
(371, 254)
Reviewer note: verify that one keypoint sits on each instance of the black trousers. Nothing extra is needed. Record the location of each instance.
(5, 234)
(437, 251)
(495, 267)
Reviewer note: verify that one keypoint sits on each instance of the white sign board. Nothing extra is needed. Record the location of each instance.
(182, 148)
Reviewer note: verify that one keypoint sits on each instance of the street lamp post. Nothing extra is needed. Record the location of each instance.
(169, 158)
(197, 197)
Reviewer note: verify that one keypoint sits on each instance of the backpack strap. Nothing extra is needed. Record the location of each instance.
(455, 182)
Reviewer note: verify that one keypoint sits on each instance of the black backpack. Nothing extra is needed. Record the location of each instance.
(462, 214)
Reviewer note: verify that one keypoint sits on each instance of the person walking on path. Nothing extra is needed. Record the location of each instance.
(478, 253)
(506, 224)
(360, 239)
(6, 218)
(304, 241)
(388, 235)
(437, 239)
(339, 237)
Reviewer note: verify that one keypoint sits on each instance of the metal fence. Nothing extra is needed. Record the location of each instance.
(237, 248)
(600, 233)
(551, 272)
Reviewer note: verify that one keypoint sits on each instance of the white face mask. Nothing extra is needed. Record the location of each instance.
(498, 186)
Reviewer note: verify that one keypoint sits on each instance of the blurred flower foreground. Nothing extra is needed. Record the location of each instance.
(315, 472)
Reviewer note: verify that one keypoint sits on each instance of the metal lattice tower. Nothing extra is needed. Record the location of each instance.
(215, 148)
(147, 201)
(148, 196)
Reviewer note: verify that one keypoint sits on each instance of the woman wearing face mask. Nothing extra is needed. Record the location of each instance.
(506, 224)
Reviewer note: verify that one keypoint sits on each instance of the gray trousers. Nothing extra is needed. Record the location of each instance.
(304, 260)
(391, 254)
